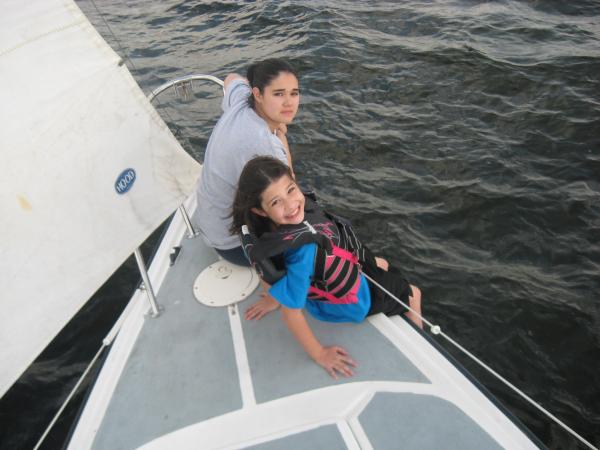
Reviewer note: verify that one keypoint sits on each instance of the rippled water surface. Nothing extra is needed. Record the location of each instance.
(462, 137)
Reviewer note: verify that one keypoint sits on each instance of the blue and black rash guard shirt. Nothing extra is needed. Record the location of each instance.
(292, 290)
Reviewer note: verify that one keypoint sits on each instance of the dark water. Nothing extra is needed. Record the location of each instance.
(462, 138)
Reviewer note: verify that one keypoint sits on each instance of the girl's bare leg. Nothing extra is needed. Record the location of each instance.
(382, 263)
(414, 301)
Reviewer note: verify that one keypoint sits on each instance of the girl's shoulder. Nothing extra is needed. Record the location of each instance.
(236, 92)
(232, 77)
(302, 254)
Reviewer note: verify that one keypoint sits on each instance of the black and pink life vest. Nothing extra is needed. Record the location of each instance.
(337, 269)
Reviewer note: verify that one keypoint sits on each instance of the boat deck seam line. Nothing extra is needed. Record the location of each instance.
(347, 434)
(241, 357)
(359, 434)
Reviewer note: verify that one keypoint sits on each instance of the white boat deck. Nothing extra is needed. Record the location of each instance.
(201, 377)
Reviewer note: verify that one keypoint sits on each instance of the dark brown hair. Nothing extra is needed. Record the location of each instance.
(256, 177)
(260, 74)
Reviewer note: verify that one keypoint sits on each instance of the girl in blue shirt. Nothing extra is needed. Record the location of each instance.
(269, 199)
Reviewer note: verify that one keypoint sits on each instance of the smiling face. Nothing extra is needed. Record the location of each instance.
(278, 103)
(282, 202)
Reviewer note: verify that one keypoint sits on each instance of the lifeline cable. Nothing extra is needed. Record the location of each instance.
(436, 329)
(107, 341)
(69, 397)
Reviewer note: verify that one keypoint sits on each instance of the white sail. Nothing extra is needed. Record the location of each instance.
(89, 170)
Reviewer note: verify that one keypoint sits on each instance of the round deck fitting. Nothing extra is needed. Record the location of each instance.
(224, 283)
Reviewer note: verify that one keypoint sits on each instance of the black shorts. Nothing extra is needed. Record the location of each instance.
(394, 282)
(234, 255)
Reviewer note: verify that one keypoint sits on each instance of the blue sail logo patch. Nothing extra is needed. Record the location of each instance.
(125, 181)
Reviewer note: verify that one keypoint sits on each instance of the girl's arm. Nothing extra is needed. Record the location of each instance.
(291, 292)
(281, 133)
(333, 359)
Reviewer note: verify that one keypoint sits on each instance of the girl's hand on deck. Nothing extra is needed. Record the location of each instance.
(262, 307)
(382, 263)
(336, 360)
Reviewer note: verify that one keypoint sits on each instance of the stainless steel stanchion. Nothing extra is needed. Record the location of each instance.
(147, 285)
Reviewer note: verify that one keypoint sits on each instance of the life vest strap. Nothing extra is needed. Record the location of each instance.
(320, 273)
(346, 274)
(345, 281)
(330, 297)
(345, 254)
